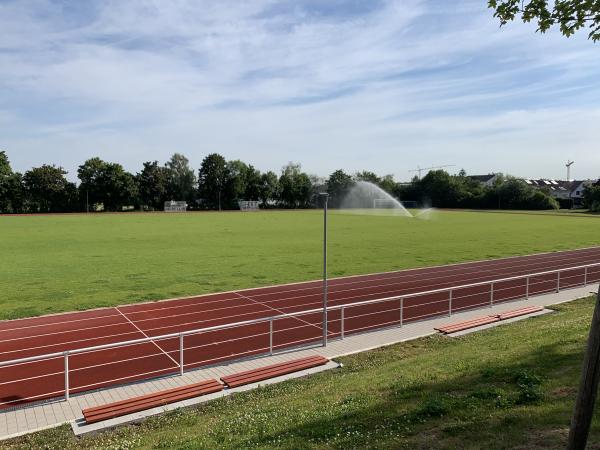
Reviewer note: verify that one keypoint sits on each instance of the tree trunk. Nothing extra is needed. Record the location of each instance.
(588, 386)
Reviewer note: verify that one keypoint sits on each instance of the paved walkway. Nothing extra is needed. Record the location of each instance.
(27, 419)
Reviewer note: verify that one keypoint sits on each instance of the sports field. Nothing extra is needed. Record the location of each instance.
(61, 263)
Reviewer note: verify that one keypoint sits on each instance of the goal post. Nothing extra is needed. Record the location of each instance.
(173, 206)
(248, 205)
(384, 203)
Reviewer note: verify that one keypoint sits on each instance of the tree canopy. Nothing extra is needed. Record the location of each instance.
(222, 183)
(568, 15)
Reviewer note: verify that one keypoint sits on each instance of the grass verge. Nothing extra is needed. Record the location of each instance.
(512, 386)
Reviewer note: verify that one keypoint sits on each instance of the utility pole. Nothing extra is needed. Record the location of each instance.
(588, 386)
(325, 196)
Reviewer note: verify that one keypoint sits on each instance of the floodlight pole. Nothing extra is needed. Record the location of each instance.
(325, 195)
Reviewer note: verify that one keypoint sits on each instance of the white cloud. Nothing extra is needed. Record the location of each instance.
(386, 89)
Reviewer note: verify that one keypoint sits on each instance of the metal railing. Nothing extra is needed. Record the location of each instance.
(402, 306)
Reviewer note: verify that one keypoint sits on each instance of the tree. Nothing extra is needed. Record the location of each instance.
(269, 189)
(12, 195)
(153, 183)
(569, 15)
(5, 175)
(212, 178)
(235, 183)
(387, 183)
(366, 175)
(296, 187)
(48, 190)
(338, 185)
(182, 180)
(591, 197)
(253, 183)
(107, 184)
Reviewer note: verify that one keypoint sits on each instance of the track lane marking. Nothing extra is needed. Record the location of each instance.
(553, 256)
(138, 328)
(298, 305)
(281, 312)
(397, 280)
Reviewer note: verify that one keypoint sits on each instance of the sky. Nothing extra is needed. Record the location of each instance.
(356, 85)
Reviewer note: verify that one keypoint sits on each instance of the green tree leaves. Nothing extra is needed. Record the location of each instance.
(569, 15)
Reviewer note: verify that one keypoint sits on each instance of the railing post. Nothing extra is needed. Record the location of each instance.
(491, 295)
(585, 276)
(181, 354)
(342, 322)
(270, 336)
(527, 289)
(558, 281)
(450, 303)
(401, 310)
(66, 353)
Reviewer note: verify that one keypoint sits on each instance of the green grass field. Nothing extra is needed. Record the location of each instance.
(508, 387)
(60, 263)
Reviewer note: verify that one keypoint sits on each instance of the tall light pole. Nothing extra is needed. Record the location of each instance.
(325, 196)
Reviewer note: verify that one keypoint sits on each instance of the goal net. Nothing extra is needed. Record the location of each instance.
(248, 205)
(173, 206)
(384, 203)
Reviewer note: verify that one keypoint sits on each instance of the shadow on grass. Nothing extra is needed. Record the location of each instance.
(500, 406)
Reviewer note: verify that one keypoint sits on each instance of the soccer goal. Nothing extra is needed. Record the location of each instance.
(384, 203)
(173, 206)
(248, 205)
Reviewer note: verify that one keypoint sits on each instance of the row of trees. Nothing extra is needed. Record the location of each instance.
(219, 184)
(442, 190)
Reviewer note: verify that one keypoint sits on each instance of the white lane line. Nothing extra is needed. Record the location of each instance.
(562, 252)
(554, 259)
(341, 300)
(556, 263)
(196, 323)
(58, 323)
(137, 328)
(282, 312)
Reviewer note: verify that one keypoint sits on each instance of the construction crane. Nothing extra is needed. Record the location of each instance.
(420, 169)
(568, 165)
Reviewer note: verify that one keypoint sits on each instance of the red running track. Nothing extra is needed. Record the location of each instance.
(45, 379)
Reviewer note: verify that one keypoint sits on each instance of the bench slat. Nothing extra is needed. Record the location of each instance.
(274, 366)
(451, 328)
(519, 312)
(188, 387)
(152, 401)
(264, 373)
(136, 404)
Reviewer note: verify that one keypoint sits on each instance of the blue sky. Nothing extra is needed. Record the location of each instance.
(352, 84)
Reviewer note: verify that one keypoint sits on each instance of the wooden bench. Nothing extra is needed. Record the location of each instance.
(519, 312)
(136, 404)
(275, 370)
(460, 326)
